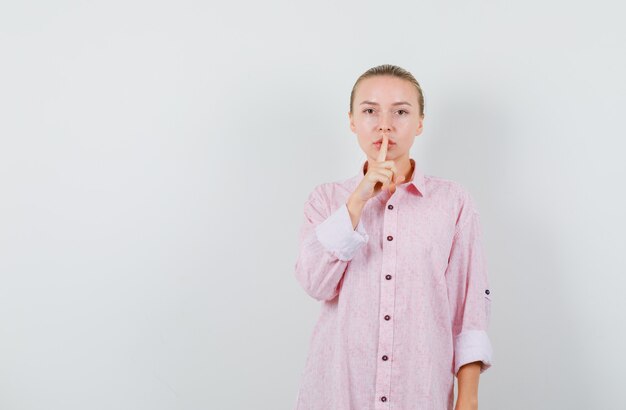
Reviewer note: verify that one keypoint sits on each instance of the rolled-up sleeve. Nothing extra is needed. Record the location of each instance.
(338, 236)
(327, 243)
(469, 293)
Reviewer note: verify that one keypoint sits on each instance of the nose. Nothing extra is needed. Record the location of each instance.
(385, 123)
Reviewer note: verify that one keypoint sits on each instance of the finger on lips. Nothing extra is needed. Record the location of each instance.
(382, 156)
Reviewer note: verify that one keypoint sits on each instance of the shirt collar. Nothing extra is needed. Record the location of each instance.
(417, 179)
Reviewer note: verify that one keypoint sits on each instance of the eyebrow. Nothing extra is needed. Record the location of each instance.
(396, 103)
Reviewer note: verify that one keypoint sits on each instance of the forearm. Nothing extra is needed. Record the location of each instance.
(355, 208)
(327, 244)
(468, 377)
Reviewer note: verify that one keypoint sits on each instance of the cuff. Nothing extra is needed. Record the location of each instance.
(337, 235)
(472, 346)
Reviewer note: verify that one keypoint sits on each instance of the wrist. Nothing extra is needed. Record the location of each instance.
(355, 203)
(355, 207)
(470, 401)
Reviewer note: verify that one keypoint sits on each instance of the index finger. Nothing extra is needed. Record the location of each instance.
(382, 154)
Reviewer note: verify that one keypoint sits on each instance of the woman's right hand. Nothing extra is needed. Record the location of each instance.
(380, 175)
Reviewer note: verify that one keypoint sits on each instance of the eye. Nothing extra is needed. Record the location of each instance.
(403, 111)
(368, 110)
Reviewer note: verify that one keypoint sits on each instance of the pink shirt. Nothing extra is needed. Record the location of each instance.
(405, 296)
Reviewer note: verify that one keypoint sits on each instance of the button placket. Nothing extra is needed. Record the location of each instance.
(387, 301)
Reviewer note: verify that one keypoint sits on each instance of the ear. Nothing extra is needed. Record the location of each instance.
(352, 126)
(420, 126)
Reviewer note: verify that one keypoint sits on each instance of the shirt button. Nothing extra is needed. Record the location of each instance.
(385, 357)
(388, 277)
(387, 317)
(389, 206)
(383, 398)
(487, 291)
(390, 238)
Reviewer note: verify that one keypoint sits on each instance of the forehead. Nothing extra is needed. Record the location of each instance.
(385, 88)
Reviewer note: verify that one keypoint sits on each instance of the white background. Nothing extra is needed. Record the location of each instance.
(155, 158)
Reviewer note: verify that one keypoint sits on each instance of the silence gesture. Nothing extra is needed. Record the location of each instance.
(381, 174)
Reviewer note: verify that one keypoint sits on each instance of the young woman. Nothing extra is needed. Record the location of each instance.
(395, 256)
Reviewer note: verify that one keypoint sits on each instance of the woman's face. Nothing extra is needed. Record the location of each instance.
(386, 104)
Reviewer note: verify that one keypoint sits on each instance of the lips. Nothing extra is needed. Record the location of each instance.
(380, 141)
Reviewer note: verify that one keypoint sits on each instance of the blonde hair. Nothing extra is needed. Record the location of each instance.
(393, 71)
